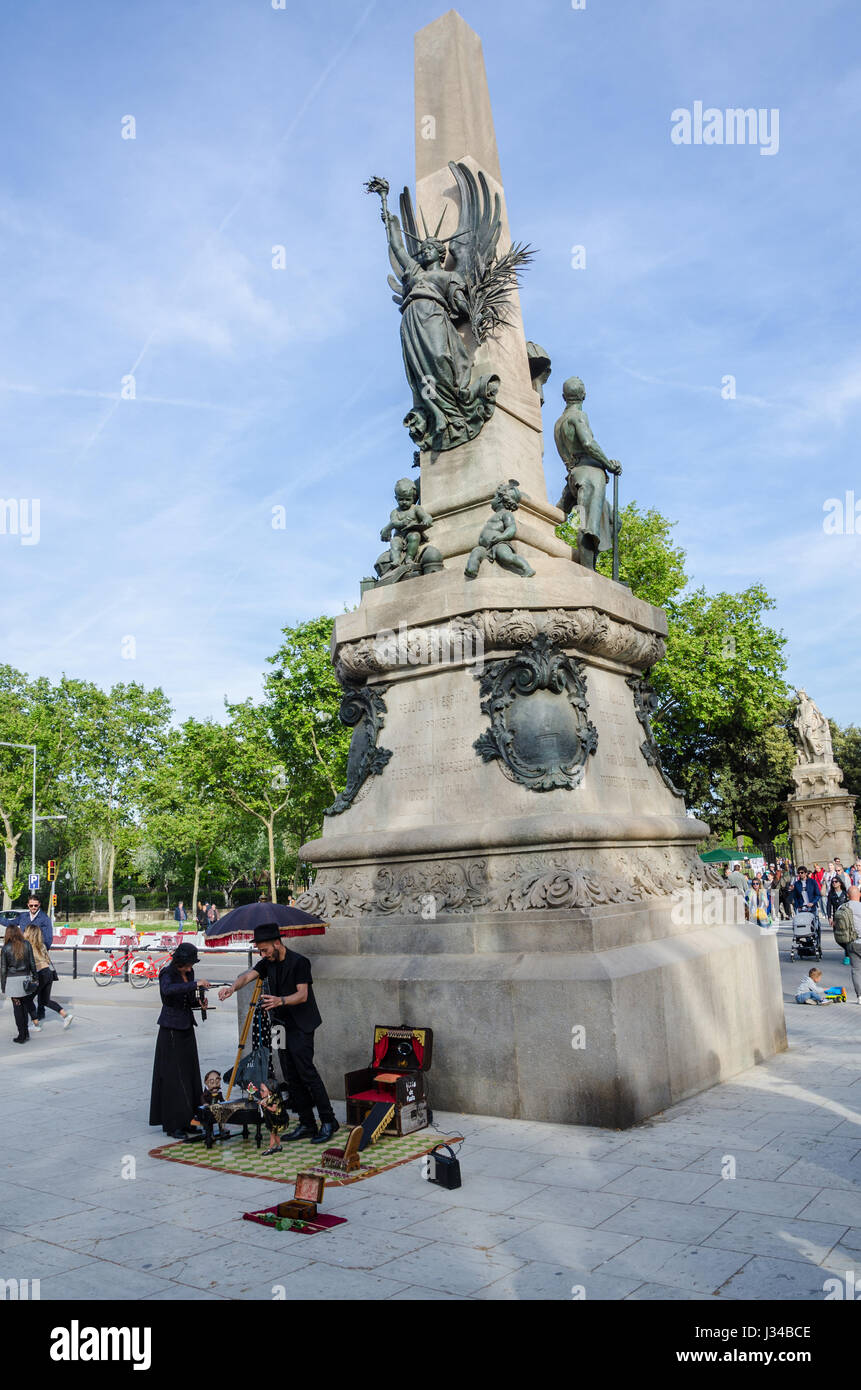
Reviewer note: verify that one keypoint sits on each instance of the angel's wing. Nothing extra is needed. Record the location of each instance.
(489, 280)
(473, 246)
(408, 217)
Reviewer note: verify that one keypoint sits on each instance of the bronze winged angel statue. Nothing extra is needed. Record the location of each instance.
(445, 314)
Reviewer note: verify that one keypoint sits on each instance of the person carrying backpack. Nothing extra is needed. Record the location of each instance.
(847, 933)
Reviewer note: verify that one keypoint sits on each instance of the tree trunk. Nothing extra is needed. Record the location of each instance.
(270, 830)
(9, 873)
(193, 909)
(10, 843)
(112, 858)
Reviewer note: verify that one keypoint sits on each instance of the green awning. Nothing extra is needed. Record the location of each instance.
(723, 856)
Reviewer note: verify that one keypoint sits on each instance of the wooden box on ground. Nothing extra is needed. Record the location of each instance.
(400, 1058)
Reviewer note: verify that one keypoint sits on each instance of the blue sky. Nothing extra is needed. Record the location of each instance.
(258, 387)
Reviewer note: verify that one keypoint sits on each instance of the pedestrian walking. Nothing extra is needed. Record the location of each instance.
(784, 894)
(211, 913)
(847, 933)
(805, 893)
(180, 915)
(18, 978)
(837, 896)
(46, 975)
(759, 904)
(200, 916)
(35, 916)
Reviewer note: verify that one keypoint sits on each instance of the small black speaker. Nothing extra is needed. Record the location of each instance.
(446, 1168)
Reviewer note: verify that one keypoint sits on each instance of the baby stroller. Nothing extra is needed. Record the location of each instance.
(806, 935)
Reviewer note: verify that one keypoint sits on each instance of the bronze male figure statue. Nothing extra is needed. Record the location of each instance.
(588, 466)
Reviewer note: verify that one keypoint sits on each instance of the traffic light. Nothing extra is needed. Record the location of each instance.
(53, 899)
(52, 870)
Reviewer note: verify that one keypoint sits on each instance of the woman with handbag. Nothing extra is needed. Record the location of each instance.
(759, 904)
(18, 977)
(46, 975)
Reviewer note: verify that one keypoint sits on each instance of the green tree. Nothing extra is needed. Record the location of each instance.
(847, 754)
(723, 713)
(186, 809)
(121, 736)
(649, 563)
(249, 773)
(312, 743)
(749, 789)
(31, 712)
(721, 690)
(238, 856)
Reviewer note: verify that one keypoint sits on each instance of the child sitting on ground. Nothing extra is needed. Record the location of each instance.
(809, 991)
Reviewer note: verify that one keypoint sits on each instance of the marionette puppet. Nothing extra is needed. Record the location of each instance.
(212, 1094)
(274, 1116)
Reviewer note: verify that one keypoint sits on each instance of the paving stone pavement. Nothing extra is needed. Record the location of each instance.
(749, 1191)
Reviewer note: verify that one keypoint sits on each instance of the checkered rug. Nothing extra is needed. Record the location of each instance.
(243, 1157)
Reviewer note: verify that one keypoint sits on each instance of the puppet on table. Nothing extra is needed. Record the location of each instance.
(213, 1095)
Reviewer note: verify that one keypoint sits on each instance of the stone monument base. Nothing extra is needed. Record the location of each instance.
(821, 815)
(553, 1020)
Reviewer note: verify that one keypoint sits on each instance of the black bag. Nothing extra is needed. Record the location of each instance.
(446, 1167)
(31, 985)
(54, 976)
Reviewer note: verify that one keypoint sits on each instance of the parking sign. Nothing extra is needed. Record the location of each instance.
(33, 883)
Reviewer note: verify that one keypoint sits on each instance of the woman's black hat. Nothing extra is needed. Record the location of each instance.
(186, 954)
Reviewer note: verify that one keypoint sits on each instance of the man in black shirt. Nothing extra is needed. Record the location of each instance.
(289, 1000)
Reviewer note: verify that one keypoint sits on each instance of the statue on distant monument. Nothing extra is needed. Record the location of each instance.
(406, 531)
(814, 734)
(498, 532)
(587, 466)
(449, 407)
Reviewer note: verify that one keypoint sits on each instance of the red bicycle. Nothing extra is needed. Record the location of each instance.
(142, 971)
(111, 966)
(145, 971)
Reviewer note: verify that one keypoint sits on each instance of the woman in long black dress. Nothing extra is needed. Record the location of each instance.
(176, 1082)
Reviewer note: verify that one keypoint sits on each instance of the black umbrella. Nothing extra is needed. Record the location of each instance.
(291, 920)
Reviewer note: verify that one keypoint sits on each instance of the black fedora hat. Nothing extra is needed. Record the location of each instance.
(268, 932)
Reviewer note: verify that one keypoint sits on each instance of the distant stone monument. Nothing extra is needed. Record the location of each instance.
(509, 863)
(821, 813)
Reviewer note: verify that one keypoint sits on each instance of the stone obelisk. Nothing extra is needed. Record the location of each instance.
(454, 122)
(508, 863)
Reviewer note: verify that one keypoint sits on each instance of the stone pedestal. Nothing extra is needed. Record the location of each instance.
(821, 815)
(509, 864)
(597, 1016)
(508, 918)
